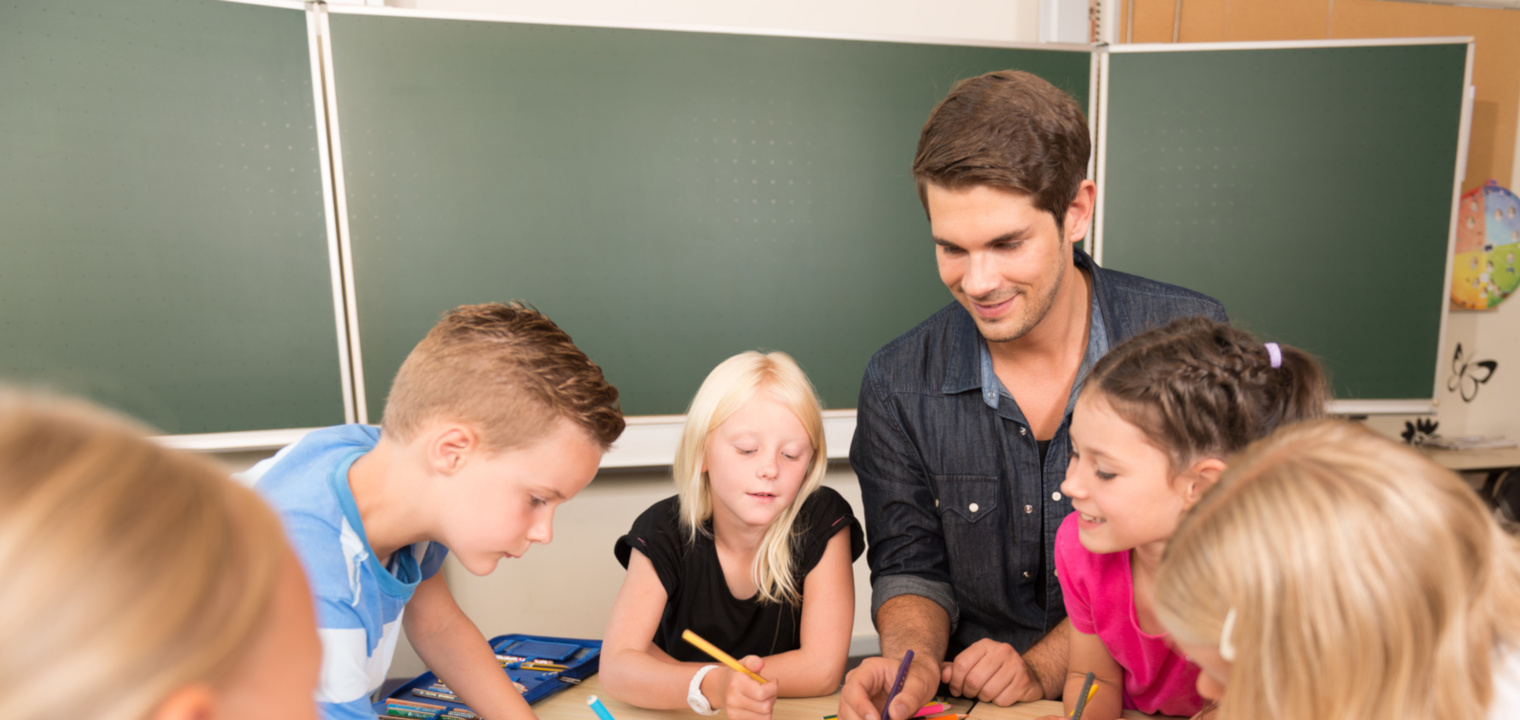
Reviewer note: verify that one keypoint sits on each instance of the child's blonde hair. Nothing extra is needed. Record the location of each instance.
(130, 570)
(1366, 581)
(731, 384)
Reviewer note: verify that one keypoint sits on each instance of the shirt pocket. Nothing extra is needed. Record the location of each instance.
(969, 515)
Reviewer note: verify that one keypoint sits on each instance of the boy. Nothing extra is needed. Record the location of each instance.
(494, 419)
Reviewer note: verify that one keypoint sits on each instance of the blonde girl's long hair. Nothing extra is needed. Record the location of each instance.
(731, 384)
(130, 571)
(1366, 581)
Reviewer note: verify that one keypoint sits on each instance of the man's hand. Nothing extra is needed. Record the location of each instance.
(866, 687)
(993, 672)
(743, 697)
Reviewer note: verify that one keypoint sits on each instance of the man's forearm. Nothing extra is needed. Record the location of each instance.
(1049, 659)
(913, 622)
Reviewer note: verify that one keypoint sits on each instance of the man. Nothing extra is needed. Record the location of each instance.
(961, 440)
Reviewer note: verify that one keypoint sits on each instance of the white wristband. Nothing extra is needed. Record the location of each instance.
(694, 697)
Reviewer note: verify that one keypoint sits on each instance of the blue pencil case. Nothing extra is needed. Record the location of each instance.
(539, 666)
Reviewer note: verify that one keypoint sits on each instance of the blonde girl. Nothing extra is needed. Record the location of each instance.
(1150, 431)
(752, 553)
(1333, 573)
(140, 583)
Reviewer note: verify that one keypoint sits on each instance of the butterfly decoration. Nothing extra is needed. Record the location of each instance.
(1416, 432)
(1467, 376)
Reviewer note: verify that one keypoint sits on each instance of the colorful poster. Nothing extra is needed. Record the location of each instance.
(1488, 236)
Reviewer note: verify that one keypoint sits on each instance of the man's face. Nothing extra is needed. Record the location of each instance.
(1002, 258)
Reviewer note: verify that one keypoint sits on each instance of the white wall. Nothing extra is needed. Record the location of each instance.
(1005, 20)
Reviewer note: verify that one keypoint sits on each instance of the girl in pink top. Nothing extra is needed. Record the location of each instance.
(1156, 418)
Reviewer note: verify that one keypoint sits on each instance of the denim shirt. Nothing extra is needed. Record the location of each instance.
(958, 508)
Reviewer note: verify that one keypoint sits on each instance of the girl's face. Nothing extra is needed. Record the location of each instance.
(756, 462)
(1118, 481)
(1215, 673)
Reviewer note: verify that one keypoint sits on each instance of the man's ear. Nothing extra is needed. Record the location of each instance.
(450, 447)
(1200, 476)
(192, 702)
(1079, 213)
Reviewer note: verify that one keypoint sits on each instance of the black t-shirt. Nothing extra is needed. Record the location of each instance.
(698, 595)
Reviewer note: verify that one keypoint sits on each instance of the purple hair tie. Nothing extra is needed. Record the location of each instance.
(1275, 353)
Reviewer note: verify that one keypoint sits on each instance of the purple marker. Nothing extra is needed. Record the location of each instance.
(902, 674)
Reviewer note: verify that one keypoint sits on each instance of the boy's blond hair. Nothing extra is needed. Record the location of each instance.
(506, 370)
(1366, 581)
(130, 570)
(731, 384)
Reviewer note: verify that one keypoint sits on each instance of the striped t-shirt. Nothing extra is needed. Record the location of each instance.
(359, 602)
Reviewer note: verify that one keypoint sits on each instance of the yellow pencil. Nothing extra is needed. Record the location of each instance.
(717, 654)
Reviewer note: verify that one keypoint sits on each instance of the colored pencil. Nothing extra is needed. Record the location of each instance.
(597, 706)
(902, 674)
(1088, 690)
(719, 655)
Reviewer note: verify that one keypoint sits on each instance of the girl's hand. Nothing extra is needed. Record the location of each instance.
(743, 697)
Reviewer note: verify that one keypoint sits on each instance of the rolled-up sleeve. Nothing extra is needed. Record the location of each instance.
(906, 545)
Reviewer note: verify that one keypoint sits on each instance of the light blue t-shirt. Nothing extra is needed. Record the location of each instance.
(359, 602)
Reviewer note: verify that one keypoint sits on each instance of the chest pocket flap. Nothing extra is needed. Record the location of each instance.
(968, 497)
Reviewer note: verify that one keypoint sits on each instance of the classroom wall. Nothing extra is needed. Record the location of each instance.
(1493, 154)
(1009, 20)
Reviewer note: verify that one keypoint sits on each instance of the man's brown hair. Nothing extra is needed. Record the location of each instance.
(1009, 130)
(507, 370)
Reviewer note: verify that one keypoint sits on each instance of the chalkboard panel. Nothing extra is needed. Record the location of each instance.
(162, 243)
(670, 198)
(1309, 189)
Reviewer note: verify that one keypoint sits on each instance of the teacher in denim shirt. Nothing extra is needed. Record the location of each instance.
(961, 439)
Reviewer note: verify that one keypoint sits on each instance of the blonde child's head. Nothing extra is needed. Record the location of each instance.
(139, 582)
(742, 385)
(1335, 573)
(505, 370)
(1161, 412)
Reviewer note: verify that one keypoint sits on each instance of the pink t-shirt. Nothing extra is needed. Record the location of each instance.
(1100, 600)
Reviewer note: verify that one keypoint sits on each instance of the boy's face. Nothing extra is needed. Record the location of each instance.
(1001, 257)
(500, 504)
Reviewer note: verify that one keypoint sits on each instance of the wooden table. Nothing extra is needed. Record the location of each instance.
(571, 705)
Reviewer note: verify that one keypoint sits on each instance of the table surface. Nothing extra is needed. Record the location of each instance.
(1473, 460)
(571, 705)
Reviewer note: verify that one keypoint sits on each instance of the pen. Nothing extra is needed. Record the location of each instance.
(902, 674)
(716, 654)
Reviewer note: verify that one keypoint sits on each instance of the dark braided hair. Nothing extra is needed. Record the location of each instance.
(1201, 388)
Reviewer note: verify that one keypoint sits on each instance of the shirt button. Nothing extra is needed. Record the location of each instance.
(974, 507)
(1055, 496)
(1026, 574)
(1023, 431)
(1028, 509)
(936, 502)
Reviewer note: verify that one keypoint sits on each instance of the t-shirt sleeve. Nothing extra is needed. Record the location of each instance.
(824, 514)
(657, 535)
(1071, 571)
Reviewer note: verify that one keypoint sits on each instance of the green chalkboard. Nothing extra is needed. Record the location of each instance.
(1309, 189)
(162, 242)
(670, 198)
